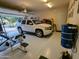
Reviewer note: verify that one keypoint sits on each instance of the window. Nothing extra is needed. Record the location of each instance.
(19, 19)
(24, 21)
(29, 22)
(37, 21)
(47, 21)
(9, 21)
(25, 17)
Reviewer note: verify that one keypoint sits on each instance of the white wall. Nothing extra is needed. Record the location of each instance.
(75, 18)
(58, 14)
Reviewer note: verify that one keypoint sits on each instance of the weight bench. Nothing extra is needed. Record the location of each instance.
(23, 45)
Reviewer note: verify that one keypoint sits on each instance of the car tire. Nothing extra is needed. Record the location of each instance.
(39, 33)
(20, 30)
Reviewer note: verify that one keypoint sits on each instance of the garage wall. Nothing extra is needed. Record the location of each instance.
(59, 15)
(74, 10)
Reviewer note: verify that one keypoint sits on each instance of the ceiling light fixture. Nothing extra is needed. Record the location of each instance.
(44, 0)
(25, 10)
(49, 4)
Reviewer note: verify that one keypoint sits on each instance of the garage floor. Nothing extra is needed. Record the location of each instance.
(49, 47)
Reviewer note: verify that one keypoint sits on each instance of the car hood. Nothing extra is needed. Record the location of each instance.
(44, 25)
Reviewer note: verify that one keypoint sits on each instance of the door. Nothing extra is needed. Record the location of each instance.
(29, 26)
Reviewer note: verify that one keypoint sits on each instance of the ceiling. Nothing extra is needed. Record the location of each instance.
(31, 5)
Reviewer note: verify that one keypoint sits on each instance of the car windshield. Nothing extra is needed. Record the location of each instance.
(37, 21)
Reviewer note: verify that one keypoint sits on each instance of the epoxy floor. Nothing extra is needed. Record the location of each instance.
(49, 47)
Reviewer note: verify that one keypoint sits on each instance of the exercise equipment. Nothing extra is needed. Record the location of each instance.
(6, 40)
(11, 41)
(69, 36)
(3, 32)
(23, 44)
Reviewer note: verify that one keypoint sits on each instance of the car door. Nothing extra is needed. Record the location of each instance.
(29, 26)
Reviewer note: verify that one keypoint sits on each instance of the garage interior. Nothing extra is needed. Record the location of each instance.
(19, 17)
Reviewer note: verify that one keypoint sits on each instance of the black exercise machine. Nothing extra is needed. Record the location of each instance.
(23, 44)
(19, 37)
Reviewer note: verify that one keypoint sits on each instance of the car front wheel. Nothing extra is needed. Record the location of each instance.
(39, 33)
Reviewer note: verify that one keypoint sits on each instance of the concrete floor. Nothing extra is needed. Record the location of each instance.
(49, 47)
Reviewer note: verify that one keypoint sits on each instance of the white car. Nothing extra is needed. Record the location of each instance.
(35, 26)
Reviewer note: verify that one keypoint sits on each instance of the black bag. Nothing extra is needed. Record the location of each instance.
(66, 55)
